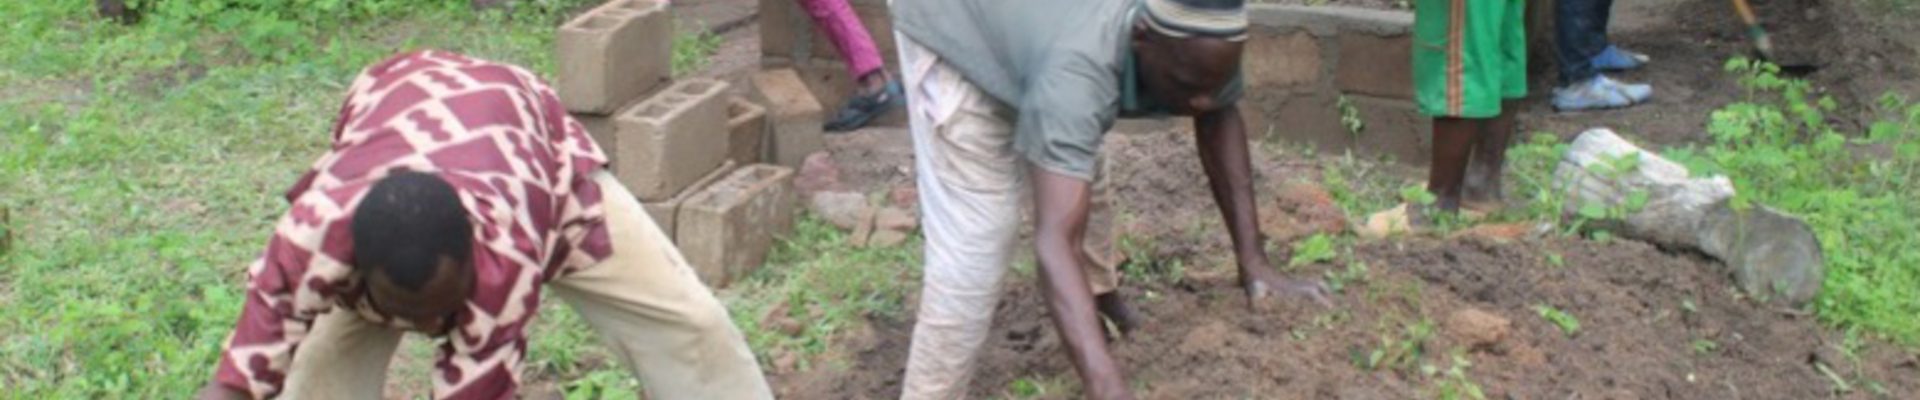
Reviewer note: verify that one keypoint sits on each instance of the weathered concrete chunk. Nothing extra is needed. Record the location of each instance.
(746, 130)
(842, 209)
(794, 114)
(665, 212)
(1376, 65)
(1329, 21)
(613, 54)
(1282, 60)
(1772, 255)
(726, 230)
(672, 139)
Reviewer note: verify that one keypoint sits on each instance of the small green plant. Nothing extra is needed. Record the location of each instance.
(603, 385)
(1556, 260)
(1453, 383)
(691, 51)
(1315, 249)
(1350, 116)
(1358, 186)
(1025, 388)
(1356, 273)
(1142, 267)
(1567, 323)
(1532, 164)
(1610, 168)
(1398, 351)
(1416, 195)
(1704, 346)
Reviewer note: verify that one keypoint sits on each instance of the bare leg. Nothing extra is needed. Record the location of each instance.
(1483, 179)
(1453, 140)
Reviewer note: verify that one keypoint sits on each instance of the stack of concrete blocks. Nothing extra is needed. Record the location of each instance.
(789, 39)
(674, 144)
(803, 76)
(1308, 67)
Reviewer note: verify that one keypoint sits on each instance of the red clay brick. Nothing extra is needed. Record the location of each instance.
(613, 54)
(672, 139)
(746, 130)
(665, 211)
(793, 113)
(726, 230)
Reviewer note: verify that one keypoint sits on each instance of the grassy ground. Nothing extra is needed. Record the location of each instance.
(140, 166)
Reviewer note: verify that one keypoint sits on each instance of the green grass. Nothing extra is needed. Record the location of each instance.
(142, 165)
(1857, 190)
(825, 285)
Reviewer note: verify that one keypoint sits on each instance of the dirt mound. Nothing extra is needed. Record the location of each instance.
(1651, 325)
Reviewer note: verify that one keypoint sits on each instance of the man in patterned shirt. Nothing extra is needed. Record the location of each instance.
(454, 188)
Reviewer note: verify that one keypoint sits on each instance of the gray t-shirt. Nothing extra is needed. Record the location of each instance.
(1063, 65)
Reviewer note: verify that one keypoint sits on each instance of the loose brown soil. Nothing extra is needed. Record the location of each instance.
(1653, 324)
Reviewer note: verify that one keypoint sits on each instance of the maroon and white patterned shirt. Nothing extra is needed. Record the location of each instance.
(521, 167)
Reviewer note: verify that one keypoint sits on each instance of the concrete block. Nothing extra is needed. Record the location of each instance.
(726, 230)
(1326, 21)
(672, 139)
(612, 54)
(787, 31)
(832, 85)
(746, 130)
(1282, 59)
(1394, 128)
(665, 211)
(793, 113)
(1376, 65)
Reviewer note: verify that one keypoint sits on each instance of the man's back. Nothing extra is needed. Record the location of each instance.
(1000, 44)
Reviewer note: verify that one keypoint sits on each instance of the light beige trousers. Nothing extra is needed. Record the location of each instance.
(973, 193)
(645, 302)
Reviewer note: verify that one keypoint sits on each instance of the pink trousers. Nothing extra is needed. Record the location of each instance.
(836, 19)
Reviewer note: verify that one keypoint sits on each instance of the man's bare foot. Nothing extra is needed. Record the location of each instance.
(1115, 308)
(1482, 194)
(1262, 283)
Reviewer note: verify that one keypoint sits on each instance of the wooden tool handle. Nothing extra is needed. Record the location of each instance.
(1746, 13)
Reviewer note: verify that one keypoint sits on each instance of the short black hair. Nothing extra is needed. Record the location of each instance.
(405, 224)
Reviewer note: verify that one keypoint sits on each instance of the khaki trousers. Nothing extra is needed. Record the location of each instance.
(973, 192)
(645, 302)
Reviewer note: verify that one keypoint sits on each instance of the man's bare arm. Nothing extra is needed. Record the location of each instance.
(1060, 220)
(1229, 167)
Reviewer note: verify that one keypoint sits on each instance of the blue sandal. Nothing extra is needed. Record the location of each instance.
(861, 110)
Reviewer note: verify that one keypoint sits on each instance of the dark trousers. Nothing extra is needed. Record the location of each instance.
(1580, 35)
